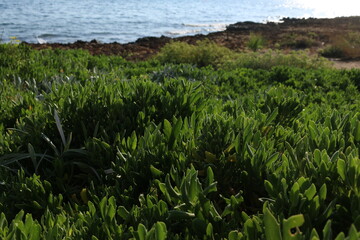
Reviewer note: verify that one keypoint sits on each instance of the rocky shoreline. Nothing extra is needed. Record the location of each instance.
(290, 34)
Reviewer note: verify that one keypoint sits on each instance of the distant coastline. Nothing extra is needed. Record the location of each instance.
(290, 34)
(123, 21)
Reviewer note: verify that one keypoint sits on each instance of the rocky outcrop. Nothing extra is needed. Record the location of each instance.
(234, 37)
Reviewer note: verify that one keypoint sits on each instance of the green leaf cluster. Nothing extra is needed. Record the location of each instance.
(95, 147)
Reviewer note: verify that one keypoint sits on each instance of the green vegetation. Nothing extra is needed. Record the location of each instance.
(347, 46)
(255, 42)
(198, 143)
(333, 51)
(202, 54)
(297, 41)
(206, 53)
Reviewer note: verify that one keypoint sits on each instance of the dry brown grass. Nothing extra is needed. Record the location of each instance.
(346, 46)
(299, 41)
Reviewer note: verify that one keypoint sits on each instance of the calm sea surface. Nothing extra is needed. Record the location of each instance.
(127, 20)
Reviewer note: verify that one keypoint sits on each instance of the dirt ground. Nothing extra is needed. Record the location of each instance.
(291, 34)
(346, 64)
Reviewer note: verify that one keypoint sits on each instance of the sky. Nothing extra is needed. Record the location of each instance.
(330, 8)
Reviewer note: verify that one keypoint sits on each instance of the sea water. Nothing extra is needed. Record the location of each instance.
(125, 21)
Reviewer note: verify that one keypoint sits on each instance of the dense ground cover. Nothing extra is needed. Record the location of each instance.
(195, 144)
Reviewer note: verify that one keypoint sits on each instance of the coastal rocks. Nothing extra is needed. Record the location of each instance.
(152, 42)
(251, 26)
(288, 34)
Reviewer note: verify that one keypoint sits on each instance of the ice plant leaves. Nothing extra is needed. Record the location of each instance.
(101, 148)
(272, 227)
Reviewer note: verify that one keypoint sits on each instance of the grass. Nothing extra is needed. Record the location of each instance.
(207, 53)
(347, 46)
(296, 41)
(269, 59)
(255, 42)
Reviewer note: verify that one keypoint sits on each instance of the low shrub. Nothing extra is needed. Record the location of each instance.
(255, 42)
(207, 53)
(269, 59)
(202, 54)
(333, 52)
(354, 38)
(150, 151)
(299, 41)
(347, 46)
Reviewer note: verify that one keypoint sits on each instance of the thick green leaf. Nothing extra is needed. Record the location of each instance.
(133, 141)
(293, 222)
(317, 156)
(92, 208)
(155, 172)
(314, 235)
(234, 235)
(175, 133)
(3, 221)
(269, 188)
(294, 194)
(341, 168)
(111, 208)
(327, 232)
(341, 236)
(323, 193)
(291, 152)
(334, 157)
(141, 231)
(272, 227)
(210, 231)
(103, 208)
(167, 129)
(172, 192)
(310, 192)
(357, 131)
(272, 159)
(272, 116)
(250, 229)
(209, 176)
(160, 231)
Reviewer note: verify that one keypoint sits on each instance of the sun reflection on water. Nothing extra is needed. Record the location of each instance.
(328, 8)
